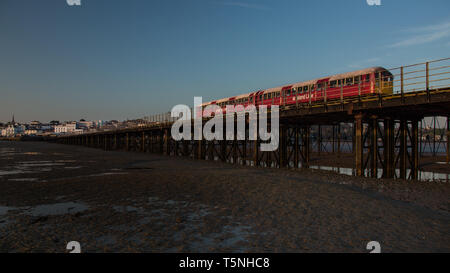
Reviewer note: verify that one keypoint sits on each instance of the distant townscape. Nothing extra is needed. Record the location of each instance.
(13, 129)
(427, 130)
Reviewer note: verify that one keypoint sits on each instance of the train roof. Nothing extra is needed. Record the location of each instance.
(310, 82)
(357, 73)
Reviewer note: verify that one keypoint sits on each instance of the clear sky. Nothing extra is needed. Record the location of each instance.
(119, 59)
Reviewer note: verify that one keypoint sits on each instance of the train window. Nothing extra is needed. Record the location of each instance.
(349, 81)
(305, 88)
(288, 92)
(339, 82)
(265, 96)
(357, 79)
(368, 78)
(387, 76)
(278, 94)
(269, 96)
(333, 84)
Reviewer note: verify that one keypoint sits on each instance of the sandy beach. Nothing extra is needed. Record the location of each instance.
(112, 201)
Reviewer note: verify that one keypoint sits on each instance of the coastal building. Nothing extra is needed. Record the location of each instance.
(32, 132)
(11, 131)
(67, 128)
(85, 124)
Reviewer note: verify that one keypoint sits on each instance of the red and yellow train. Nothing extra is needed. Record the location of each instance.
(366, 82)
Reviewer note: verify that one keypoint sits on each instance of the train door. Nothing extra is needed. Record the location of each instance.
(256, 99)
(321, 88)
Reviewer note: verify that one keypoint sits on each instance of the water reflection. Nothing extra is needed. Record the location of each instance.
(422, 175)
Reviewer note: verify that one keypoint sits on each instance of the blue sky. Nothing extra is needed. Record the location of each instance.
(119, 59)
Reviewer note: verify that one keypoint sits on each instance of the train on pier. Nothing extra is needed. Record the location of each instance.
(366, 82)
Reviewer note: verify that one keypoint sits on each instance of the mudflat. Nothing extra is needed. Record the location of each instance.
(113, 201)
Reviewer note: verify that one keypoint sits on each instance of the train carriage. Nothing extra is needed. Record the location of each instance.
(366, 82)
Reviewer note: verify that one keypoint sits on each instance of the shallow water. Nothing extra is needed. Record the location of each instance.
(422, 175)
(30, 179)
(105, 174)
(57, 209)
(4, 210)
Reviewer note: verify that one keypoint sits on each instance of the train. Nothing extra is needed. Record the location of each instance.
(366, 82)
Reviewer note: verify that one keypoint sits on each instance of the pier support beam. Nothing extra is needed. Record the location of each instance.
(296, 147)
(414, 149)
(373, 147)
(389, 148)
(256, 153)
(306, 147)
(283, 147)
(339, 139)
(165, 143)
(319, 139)
(448, 139)
(358, 143)
(143, 143)
(403, 147)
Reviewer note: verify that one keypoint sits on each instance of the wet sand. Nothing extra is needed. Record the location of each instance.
(51, 194)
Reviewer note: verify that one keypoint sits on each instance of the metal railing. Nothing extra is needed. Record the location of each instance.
(425, 76)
